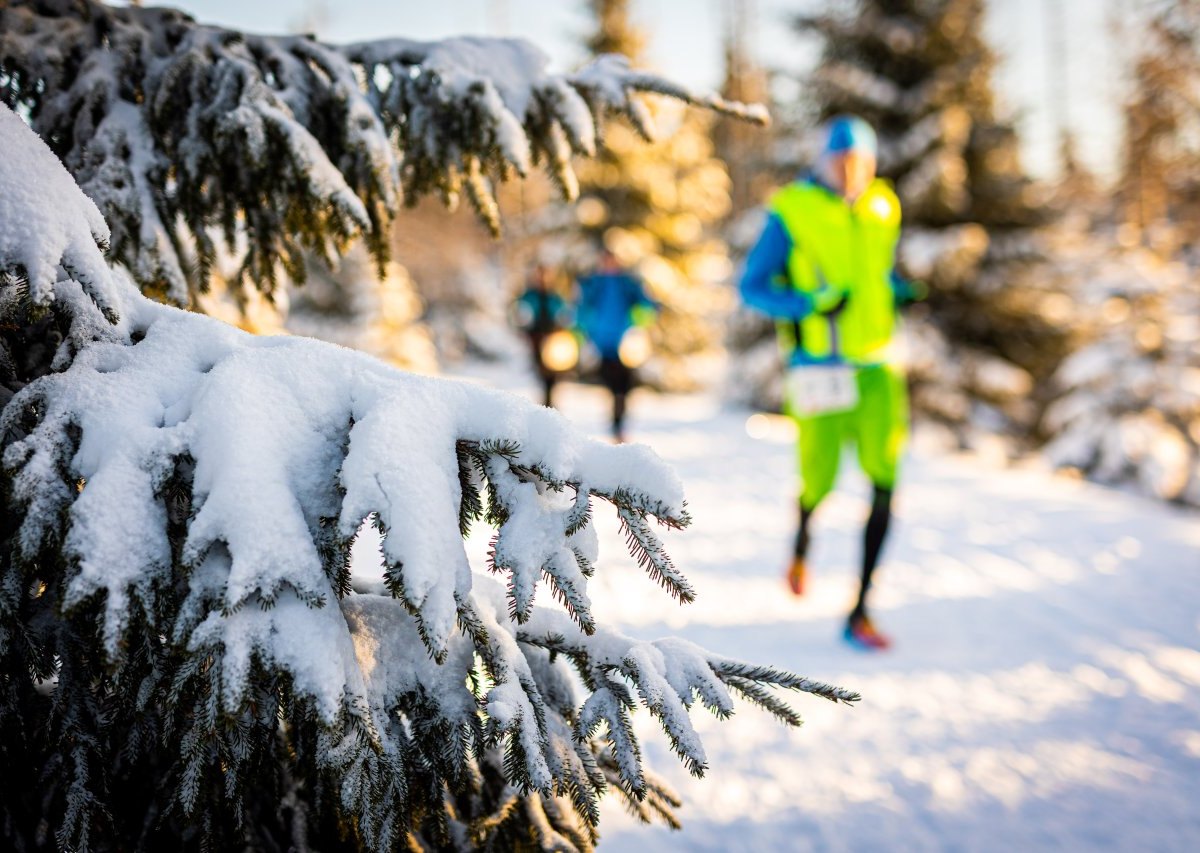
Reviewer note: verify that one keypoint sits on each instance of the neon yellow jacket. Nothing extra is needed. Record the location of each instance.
(846, 247)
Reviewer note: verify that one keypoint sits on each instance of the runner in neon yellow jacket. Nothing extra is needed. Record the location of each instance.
(824, 269)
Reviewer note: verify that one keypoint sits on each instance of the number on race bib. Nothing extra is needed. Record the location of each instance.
(821, 389)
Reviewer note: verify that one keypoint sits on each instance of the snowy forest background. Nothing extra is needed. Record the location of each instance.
(1063, 331)
(1063, 320)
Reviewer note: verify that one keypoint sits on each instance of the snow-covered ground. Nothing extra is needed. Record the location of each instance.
(1044, 688)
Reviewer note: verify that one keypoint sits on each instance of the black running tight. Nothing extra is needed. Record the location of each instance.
(873, 536)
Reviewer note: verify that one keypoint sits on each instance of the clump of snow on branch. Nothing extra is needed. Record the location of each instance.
(49, 232)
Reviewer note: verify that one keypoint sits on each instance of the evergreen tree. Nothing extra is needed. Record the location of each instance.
(186, 661)
(657, 207)
(1077, 192)
(752, 155)
(1127, 407)
(747, 151)
(921, 74)
(1159, 187)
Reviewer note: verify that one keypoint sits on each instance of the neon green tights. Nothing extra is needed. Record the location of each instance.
(878, 426)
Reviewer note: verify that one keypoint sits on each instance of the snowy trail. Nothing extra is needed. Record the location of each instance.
(1044, 691)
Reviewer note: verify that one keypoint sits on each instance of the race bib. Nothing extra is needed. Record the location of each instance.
(821, 389)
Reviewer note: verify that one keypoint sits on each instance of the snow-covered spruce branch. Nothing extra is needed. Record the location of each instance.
(186, 135)
(176, 607)
(668, 675)
(282, 473)
(354, 440)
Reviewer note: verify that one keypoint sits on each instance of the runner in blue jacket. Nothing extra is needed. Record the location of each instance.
(611, 302)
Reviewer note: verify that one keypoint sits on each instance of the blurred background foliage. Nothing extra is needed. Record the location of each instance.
(1065, 306)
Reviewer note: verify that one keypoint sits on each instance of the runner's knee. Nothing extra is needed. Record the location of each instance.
(816, 485)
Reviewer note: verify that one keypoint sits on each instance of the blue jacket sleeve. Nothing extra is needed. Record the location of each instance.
(766, 263)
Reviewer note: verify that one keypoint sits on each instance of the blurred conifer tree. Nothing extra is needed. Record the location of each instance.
(656, 206)
(1161, 156)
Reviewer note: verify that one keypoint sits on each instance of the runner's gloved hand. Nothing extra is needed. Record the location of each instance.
(829, 300)
(908, 291)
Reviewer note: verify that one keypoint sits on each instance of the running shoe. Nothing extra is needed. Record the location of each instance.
(860, 633)
(795, 576)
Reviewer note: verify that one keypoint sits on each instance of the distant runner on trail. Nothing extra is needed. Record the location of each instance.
(544, 316)
(823, 267)
(613, 308)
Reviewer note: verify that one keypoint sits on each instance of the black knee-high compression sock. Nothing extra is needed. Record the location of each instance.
(618, 417)
(802, 532)
(873, 536)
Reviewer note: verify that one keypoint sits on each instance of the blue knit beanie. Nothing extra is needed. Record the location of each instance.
(849, 133)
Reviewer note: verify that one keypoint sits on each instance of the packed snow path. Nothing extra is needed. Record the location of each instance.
(1044, 688)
